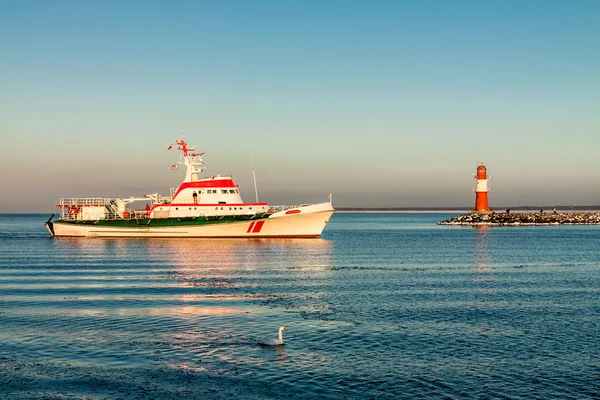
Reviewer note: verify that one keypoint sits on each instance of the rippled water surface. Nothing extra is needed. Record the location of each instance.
(384, 305)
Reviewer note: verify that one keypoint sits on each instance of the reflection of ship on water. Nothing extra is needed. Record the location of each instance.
(215, 276)
(230, 254)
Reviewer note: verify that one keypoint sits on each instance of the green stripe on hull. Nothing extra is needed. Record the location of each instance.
(168, 222)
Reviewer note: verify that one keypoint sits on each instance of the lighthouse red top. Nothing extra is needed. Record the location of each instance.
(481, 172)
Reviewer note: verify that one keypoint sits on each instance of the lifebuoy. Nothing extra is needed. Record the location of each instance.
(72, 211)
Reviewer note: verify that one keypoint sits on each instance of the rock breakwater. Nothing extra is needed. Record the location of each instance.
(516, 219)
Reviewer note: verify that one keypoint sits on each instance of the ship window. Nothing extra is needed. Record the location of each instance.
(190, 208)
(230, 208)
(195, 208)
(221, 208)
(232, 191)
(216, 208)
(223, 191)
(250, 208)
(177, 208)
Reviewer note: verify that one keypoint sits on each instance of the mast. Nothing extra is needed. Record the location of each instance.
(253, 175)
(193, 161)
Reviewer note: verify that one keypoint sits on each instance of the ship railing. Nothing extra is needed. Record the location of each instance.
(70, 206)
(81, 201)
(107, 208)
(104, 214)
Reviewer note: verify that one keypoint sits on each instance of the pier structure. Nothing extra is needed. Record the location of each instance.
(481, 191)
(524, 219)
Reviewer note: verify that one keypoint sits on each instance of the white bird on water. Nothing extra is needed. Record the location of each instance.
(274, 342)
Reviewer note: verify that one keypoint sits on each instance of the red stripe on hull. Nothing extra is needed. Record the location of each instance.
(258, 226)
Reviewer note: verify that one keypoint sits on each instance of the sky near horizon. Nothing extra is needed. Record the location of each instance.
(382, 103)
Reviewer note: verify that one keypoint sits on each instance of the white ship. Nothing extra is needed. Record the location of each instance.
(201, 207)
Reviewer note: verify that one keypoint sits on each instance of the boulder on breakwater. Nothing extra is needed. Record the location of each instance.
(517, 219)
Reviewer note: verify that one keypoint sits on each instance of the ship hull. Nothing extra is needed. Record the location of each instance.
(308, 222)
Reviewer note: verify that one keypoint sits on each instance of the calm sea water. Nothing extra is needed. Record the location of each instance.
(383, 306)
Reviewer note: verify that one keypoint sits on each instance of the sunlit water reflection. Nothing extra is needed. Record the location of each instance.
(385, 305)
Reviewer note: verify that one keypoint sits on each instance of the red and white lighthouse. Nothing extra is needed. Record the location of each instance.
(481, 189)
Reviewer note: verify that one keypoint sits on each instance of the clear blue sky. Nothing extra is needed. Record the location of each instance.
(383, 103)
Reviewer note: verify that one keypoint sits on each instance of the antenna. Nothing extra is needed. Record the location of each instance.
(253, 174)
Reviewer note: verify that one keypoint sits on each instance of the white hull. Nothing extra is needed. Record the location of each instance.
(308, 222)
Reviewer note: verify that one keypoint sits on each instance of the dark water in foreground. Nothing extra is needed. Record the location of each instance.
(383, 306)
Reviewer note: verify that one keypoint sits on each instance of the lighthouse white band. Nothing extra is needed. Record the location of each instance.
(481, 185)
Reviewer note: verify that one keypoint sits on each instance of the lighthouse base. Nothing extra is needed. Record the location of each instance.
(482, 212)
